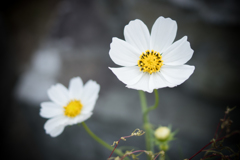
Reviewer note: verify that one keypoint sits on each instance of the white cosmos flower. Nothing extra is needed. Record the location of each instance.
(151, 61)
(69, 106)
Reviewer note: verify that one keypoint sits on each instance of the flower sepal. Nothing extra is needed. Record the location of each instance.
(163, 135)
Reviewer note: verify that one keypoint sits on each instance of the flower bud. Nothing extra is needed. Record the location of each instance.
(162, 133)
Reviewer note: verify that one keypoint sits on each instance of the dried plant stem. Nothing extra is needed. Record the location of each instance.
(161, 152)
(132, 153)
(235, 132)
(215, 135)
(117, 144)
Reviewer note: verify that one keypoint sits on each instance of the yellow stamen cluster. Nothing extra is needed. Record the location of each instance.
(150, 62)
(73, 108)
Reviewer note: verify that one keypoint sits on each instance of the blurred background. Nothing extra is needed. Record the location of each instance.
(49, 41)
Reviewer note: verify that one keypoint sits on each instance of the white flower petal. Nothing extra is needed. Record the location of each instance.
(89, 106)
(90, 92)
(80, 118)
(122, 53)
(59, 94)
(157, 81)
(50, 109)
(136, 33)
(75, 88)
(163, 34)
(83, 117)
(142, 84)
(176, 75)
(51, 124)
(178, 53)
(128, 75)
(56, 131)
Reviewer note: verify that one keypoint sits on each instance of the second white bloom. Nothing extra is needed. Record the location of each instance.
(151, 61)
(69, 106)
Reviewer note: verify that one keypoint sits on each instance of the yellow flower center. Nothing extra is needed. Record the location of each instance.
(150, 62)
(73, 108)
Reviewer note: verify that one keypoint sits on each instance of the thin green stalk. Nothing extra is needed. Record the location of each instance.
(99, 140)
(147, 126)
(145, 122)
(162, 157)
(156, 102)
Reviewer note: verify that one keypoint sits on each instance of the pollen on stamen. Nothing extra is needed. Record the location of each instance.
(73, 108)
(150, 62)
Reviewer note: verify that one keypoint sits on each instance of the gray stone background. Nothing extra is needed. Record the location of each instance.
(49, 41)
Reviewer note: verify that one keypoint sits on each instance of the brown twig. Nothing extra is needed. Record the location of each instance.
(158, 155)
(218, 126)
(235, 132)
(117, 144)
(136, 132)
(132, 153)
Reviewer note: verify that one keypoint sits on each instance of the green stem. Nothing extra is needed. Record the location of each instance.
(156, 102)
(146, 124)
(99, 140)
(162, 157)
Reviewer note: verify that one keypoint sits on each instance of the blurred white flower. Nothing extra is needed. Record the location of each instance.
(45, 67)
(151, 61)
(69, 106)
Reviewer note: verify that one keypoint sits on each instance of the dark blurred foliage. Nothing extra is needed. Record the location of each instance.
(22, 25)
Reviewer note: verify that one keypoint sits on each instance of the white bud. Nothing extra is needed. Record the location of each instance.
(162, 133)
